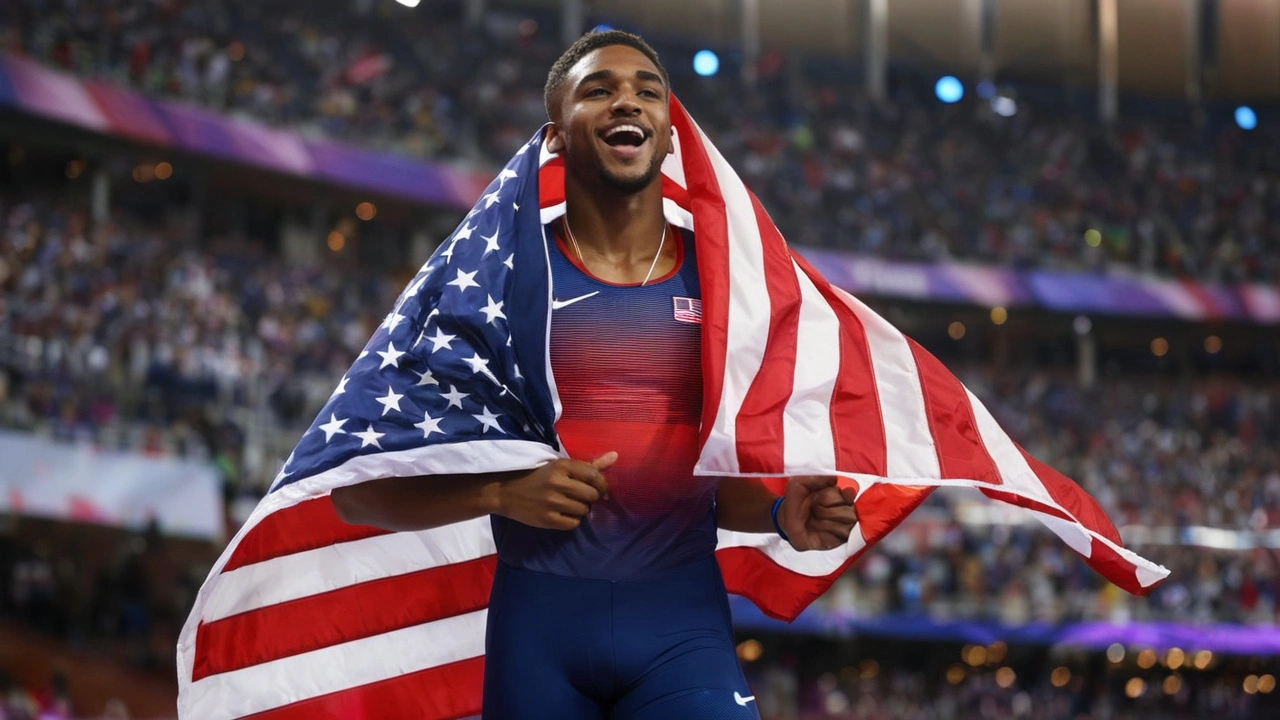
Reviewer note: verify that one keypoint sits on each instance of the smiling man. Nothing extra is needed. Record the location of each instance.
(608, 601)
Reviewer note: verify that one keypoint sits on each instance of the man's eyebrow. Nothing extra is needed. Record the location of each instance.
(607, 74)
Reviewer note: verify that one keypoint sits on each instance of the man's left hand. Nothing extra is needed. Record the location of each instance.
(816, 514)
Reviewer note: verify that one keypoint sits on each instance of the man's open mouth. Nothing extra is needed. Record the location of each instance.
(625, 136)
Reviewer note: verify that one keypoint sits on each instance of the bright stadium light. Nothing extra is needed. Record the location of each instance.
(409, 3)
(706, 63)
(949, 89)
(1246, 118)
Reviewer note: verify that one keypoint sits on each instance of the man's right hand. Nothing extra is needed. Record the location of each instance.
(557, 495)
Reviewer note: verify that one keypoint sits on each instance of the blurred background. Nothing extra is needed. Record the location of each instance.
(207, 206)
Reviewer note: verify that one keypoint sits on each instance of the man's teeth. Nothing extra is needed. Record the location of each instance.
(625, 128)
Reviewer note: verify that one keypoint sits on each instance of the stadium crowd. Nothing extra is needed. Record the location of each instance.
(896, 690)
(129, 335)
(907, 178)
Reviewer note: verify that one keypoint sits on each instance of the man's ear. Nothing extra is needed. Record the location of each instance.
(555, 141)
(671, 144)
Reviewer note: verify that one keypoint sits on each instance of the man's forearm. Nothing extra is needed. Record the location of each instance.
(744, 505)
(419, 503)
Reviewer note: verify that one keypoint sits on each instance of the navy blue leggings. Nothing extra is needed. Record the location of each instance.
(564, 648)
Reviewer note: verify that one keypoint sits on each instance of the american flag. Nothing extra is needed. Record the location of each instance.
(687, 310)
(304, 616)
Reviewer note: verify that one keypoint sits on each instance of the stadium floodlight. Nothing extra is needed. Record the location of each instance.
(1246, 118)
(409, 3)
(602, 27)
(949, 89)
(706, 63)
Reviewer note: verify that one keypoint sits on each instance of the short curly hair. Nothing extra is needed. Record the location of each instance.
(588, 44)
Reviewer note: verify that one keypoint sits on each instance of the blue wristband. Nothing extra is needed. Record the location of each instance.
(774, 514)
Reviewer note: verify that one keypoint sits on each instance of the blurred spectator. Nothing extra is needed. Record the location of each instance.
(907, 178)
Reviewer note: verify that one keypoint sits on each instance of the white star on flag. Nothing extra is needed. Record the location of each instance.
(390, 401)
(390, 356)
(490, 243)
(464, 232)
(488, 420)
(333, 427)
(425, 378)
(441, 340)
(464, 280)
(491, 199)
(493, 310)
(510, 265)
(455, 397)
(429, 425)
(342, 387)
(392, 321)
(505, 175)
(480, 365)
(369, 437)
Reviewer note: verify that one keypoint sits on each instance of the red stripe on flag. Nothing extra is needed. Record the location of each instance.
(857, 425)
(342, 615)
(778, 592)
(1108, 563)
(1074, 499)
(961, 452)
(707, 206)
(439, 693)
(551, 186)
(759, 431)
(883, 507)
(306, 526)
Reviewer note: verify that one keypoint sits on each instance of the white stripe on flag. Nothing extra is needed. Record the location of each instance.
(909, 447)
(749, 314)
(336, 566)
(814, 563)
(1015, 474)
(808, 445)
(339, 667)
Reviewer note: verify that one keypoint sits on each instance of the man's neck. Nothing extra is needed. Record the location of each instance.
(622, 228)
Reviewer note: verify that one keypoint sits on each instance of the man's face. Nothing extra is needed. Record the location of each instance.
(614, 119)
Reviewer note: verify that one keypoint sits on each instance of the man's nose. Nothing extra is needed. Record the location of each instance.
(626, 104)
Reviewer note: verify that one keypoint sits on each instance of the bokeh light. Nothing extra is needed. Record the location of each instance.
(1246, 118)
(1115, 653)
(706, 63)
(949, 89)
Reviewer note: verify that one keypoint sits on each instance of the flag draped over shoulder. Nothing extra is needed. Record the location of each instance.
(304, 616)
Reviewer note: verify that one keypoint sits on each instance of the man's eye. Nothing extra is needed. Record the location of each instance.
(597, 92)
(650, 93)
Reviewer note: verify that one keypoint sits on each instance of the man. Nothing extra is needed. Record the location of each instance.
(608, 602)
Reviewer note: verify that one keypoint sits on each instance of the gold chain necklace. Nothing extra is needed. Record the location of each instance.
(652, 265)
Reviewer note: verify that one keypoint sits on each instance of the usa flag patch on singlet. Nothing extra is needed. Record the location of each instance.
(688, 310)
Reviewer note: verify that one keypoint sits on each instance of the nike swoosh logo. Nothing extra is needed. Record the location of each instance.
(557, 304)
(742, 700)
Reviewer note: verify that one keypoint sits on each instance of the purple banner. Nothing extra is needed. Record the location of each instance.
(100, 107)
(1159, 636)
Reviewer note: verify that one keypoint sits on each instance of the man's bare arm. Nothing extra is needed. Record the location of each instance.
(555, 496)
